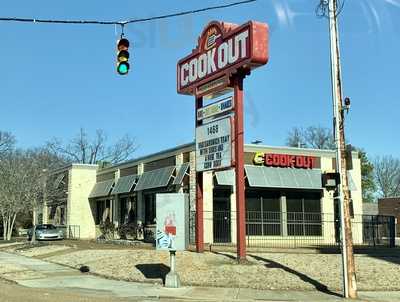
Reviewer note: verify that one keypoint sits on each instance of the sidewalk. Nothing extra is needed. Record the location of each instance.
(36, 273)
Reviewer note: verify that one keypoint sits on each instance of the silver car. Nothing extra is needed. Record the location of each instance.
(46, 232)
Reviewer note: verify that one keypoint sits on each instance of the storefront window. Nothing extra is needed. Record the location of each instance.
(103, 211)
(263, 214)
(123, 210)
(150, 208)
(127, 210)
(100, 206)
(304, 214)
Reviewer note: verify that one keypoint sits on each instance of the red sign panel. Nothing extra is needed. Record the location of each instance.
(222, 49)
(285, 160)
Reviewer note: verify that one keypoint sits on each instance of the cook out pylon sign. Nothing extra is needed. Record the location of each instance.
(225, 54)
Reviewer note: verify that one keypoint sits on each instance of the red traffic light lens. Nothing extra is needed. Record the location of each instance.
(123, 44)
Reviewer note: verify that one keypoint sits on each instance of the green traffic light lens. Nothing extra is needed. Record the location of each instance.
(123, 68)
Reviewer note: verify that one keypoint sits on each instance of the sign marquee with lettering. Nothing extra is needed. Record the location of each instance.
(222, 49)
(284, 160)
(214, 109)
(213, 145)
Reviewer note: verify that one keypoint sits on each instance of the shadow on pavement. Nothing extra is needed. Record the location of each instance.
(318, 286)
(223, 254)
(154, 270)
(273, 264)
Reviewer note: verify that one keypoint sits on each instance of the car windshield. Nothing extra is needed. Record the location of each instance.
(46, 227)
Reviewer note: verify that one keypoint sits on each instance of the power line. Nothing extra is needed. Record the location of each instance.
(122, 23)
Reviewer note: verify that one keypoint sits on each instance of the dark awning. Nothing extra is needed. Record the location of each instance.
(180, 173)
(102, 189)
(125, 184)
(267, 177)
(225, 177)
(155, 179)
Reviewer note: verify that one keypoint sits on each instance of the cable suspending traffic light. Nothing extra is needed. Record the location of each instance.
(122, 56)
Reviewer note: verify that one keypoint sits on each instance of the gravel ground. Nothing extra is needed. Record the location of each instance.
(42, 250)
(263, 270)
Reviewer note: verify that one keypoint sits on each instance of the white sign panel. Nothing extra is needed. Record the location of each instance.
(172, 221)
(214, 145)
(219, 107)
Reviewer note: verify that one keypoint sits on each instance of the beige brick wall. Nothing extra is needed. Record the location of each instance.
(81, 182)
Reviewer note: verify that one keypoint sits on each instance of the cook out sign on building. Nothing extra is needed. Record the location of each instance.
(222, 49)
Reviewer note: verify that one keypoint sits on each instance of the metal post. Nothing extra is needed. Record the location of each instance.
(239, 169)
(349, 280)
(199, 197)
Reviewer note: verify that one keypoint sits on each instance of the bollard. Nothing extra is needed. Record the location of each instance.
(172, 278)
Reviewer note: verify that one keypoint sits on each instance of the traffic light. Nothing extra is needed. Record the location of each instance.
(122, 56)
(330, 180)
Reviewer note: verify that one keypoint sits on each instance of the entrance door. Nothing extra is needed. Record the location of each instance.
(222, 216)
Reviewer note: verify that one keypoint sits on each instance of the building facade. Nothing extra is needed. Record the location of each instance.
(391, 206)
(66, 202)
(286, 200)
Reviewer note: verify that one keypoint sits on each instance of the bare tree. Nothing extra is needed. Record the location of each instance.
(13, 177)
(22, 176)
(387, 175)
(82, 149)
(7, 141)
(316, 137)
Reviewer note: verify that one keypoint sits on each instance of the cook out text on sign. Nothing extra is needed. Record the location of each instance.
(215, 59)
(284, 160)
(222, 49)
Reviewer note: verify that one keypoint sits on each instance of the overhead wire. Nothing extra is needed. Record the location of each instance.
(122, 23)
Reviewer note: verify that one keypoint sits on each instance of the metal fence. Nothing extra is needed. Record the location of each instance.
(294, 229)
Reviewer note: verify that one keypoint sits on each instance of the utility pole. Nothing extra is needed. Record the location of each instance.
(349, 275)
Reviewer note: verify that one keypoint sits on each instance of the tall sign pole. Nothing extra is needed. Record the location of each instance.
(349, 275)
(224, 55)
(199, 222)
(239, 169)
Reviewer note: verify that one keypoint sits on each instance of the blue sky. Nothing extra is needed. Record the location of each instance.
(55, 79)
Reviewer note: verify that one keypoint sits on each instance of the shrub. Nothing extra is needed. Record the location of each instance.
(128, 230)
(108, 229)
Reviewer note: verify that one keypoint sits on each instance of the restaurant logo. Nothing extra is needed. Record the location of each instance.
(284, 160)
(212, 36)
(222, 49)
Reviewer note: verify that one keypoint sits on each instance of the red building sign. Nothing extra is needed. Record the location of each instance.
(222, 49)
(284, 160)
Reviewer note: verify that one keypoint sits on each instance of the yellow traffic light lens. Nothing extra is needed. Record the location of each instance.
(123, 68)
(123, 56)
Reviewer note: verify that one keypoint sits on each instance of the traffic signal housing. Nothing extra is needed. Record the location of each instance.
(330, 180)
(122, 56)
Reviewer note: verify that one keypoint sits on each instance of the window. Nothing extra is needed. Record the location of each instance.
(123, 209)
(304, 214)
(102, 211)
(150, 208)
(263, 217)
